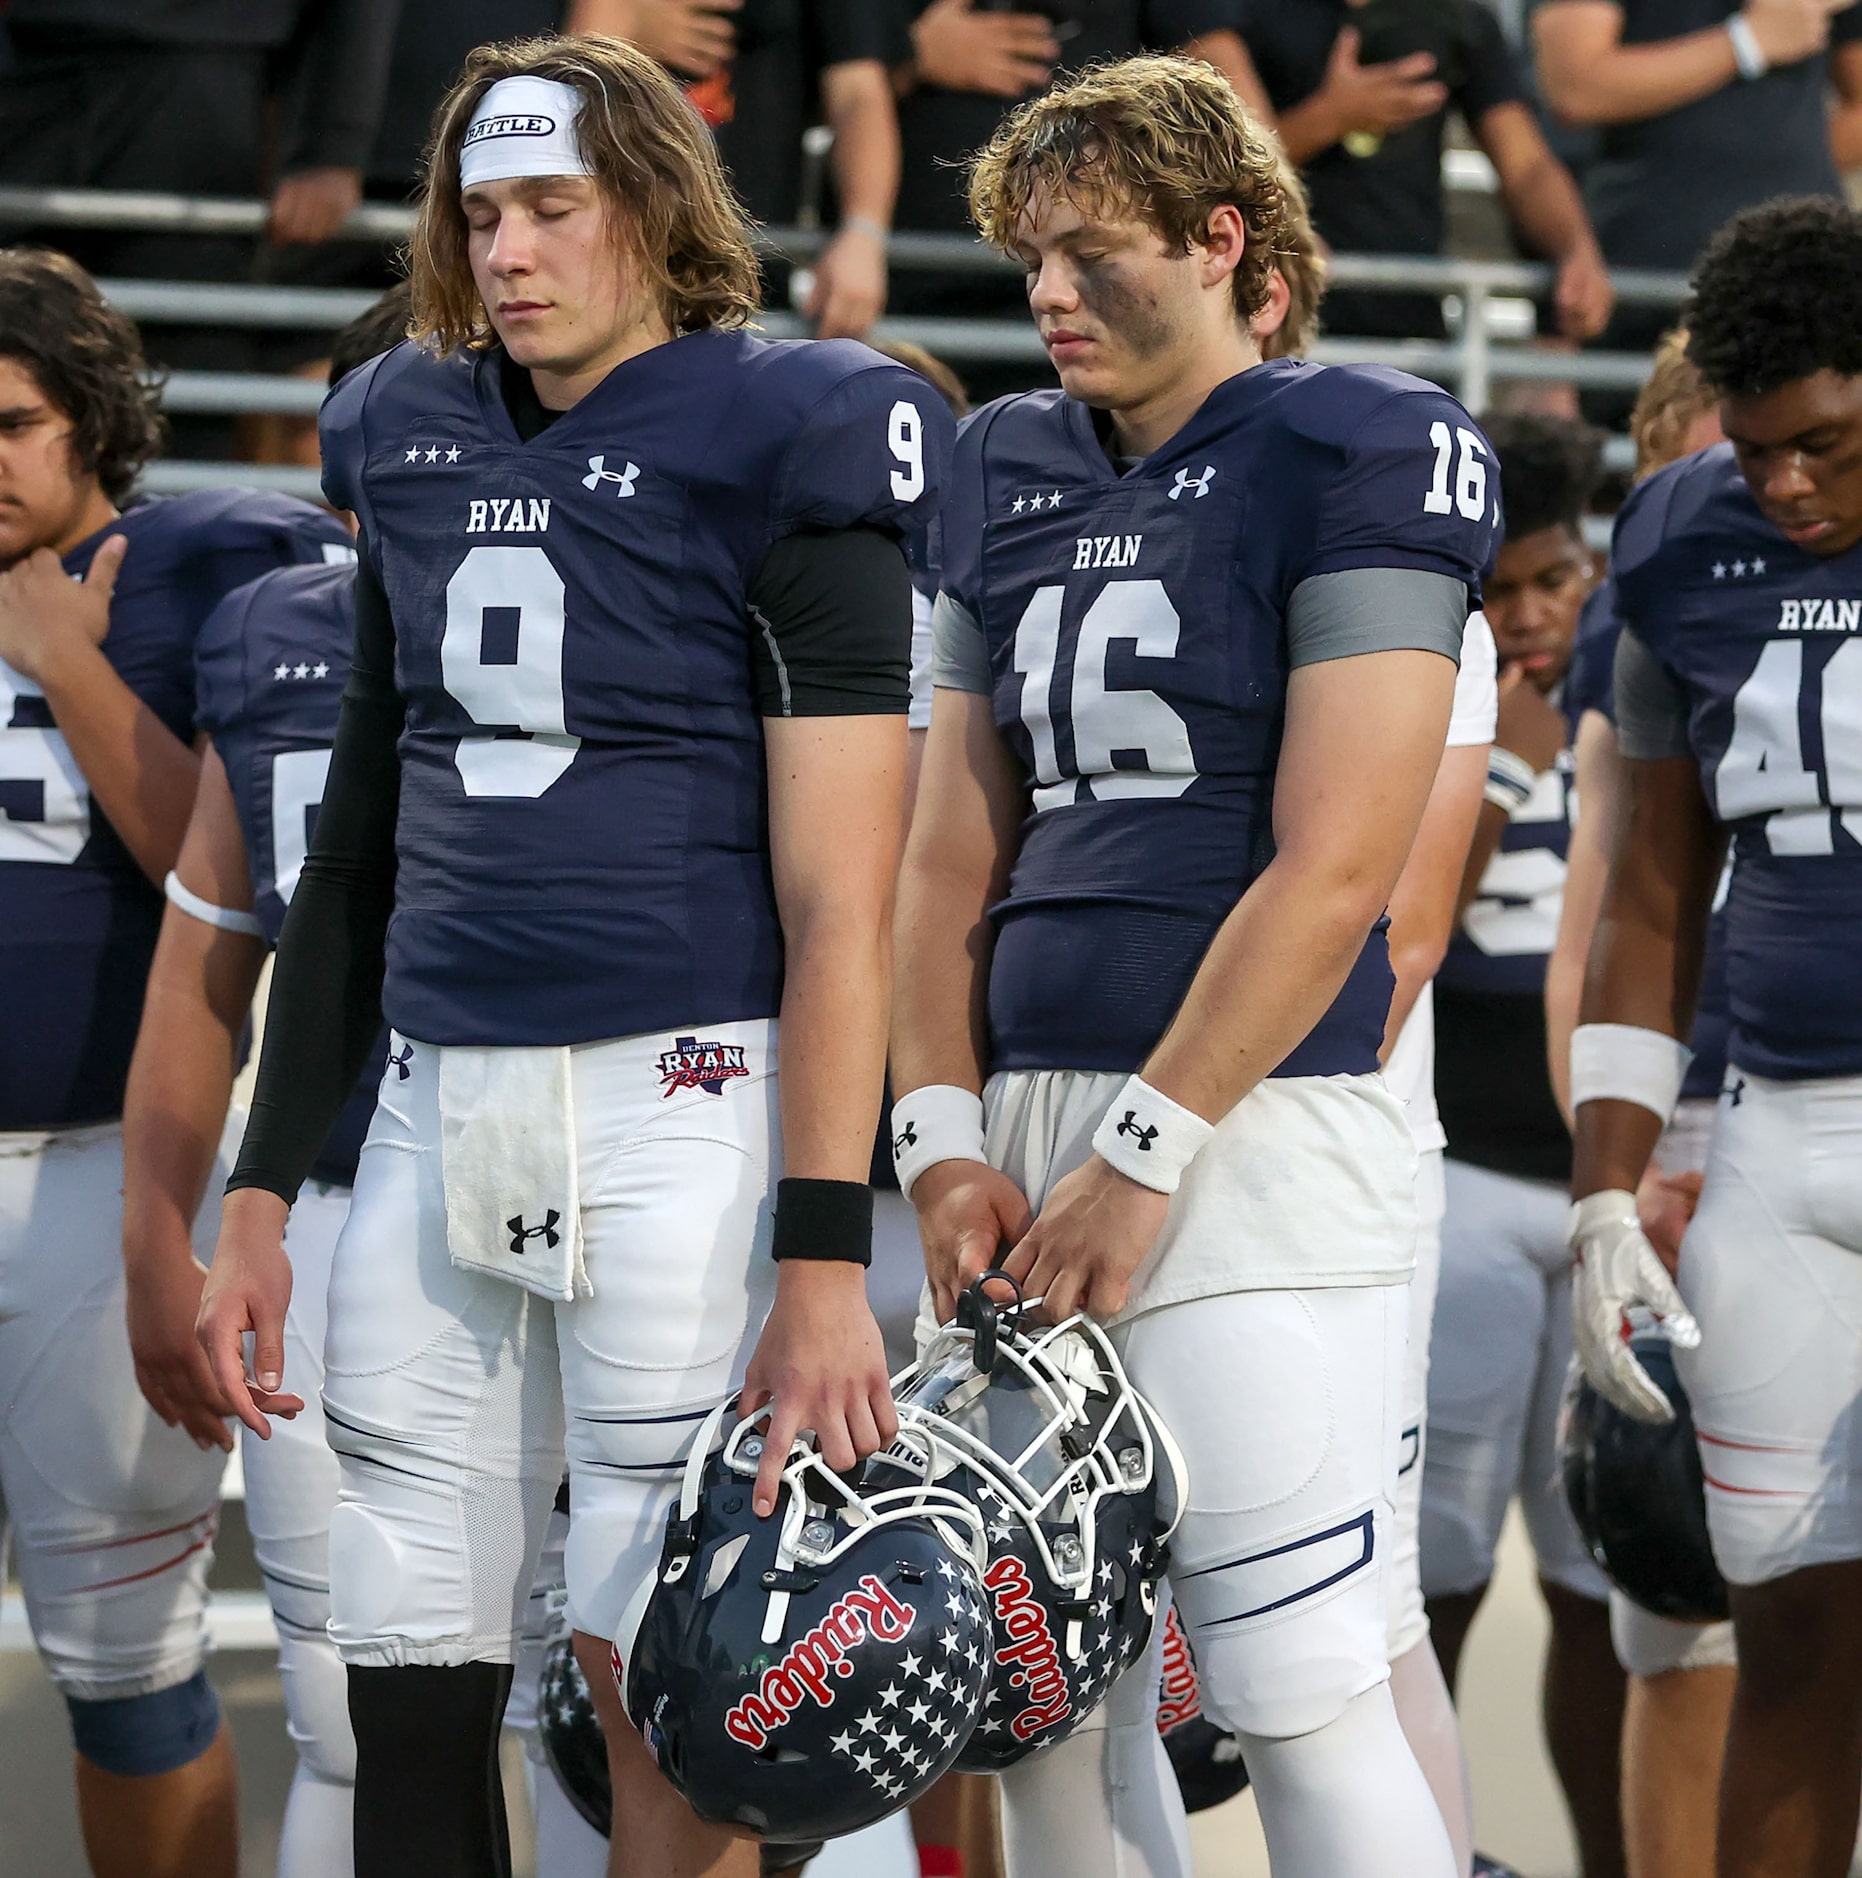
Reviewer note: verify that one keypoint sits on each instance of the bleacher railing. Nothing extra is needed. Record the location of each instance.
(1470, 363)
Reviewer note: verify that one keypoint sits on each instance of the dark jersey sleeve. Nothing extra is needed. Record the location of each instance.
(324, 1020)
(1846, 27)
(872, 450)
(1418, 487)
(1493, 75)
(833, 615)
(219, 663)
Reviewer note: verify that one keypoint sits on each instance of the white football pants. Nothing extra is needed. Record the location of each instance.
(447, 1391)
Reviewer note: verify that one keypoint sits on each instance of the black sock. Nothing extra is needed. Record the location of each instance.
(429, 1797)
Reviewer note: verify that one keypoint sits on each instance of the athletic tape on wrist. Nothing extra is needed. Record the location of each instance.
(227, 918)
(939, 1122)
(1510, 780)
(1748, 54)
(1627, 1063)
(1148, 1137)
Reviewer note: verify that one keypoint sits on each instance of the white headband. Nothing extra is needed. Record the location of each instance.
(523, 127)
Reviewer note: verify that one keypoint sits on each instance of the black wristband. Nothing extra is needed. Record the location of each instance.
(824, 1219)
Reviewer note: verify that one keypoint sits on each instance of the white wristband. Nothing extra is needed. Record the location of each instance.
(1626, 1063)
(1148, 1137)
(228, 919)
(939, 1122)
(1510, 780)
(1748, 54)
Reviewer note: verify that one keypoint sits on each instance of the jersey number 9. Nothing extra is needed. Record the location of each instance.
(905, 435)
(501, 659)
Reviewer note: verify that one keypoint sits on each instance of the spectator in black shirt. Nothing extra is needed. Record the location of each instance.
(972, 62)
(763, 71)
(1362, 90)
(1704, 110)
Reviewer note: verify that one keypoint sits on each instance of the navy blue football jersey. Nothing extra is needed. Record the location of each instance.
(78, 917)
(1136, 626)
(581, 838)
(1589, 686)
(1762, 640)
(1505, 936)
(269, 665)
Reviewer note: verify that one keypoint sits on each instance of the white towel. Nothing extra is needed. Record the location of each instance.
(507, 1155)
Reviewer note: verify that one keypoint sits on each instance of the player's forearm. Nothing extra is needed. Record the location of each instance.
(1646, 955)
(180, 1084)
(1632, 979)
(139, 772)
(940, 1004)
(831, 1050)
(1587, 868)
(1272, 972)
(1587, 82)
(857, 98)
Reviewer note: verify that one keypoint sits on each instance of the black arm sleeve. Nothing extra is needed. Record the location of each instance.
(832, 616)
(325, 1013)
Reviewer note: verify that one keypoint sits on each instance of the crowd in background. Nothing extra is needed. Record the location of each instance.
(1621, 132)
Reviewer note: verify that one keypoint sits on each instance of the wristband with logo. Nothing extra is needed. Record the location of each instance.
(1148, 1137)
(1628, 1063)
(939, 1122)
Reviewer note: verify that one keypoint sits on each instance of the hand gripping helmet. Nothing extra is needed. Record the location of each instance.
(804, 1675)
(1637, 1495)
(1078, 1484)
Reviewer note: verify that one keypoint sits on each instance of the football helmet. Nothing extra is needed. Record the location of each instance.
(804, 1675)
(1079, 1486)
(1204, 1756)
(1637, 1494)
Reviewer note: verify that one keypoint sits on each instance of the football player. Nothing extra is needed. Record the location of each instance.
(1142, 977)
(1501, 1345)
(1738, 575)
(617, 782)
(1424, 906)
(270, 664)
(112, 1512)
(1680, 1675)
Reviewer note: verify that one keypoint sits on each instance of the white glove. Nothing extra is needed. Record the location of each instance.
(1616, 1270)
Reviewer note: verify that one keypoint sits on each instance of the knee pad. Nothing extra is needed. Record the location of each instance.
(316, 1706)
(1647, 1645)
(139, 1736)
(1287, 1638)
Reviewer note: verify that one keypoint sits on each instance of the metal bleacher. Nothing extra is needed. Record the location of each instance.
(1488, 302)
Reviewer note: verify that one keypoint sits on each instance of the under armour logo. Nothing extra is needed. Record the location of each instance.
(1144, 1136)
(907, 1137)
(400, 1059)
(1735, 1091)
(1199, 483)
(546, 1232)
(599, 473)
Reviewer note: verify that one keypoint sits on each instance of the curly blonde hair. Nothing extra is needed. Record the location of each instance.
(1164, 139)
(1302, 266)
(653, 160)
(1674, 397)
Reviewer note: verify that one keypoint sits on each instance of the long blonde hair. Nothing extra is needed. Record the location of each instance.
(653, 160)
